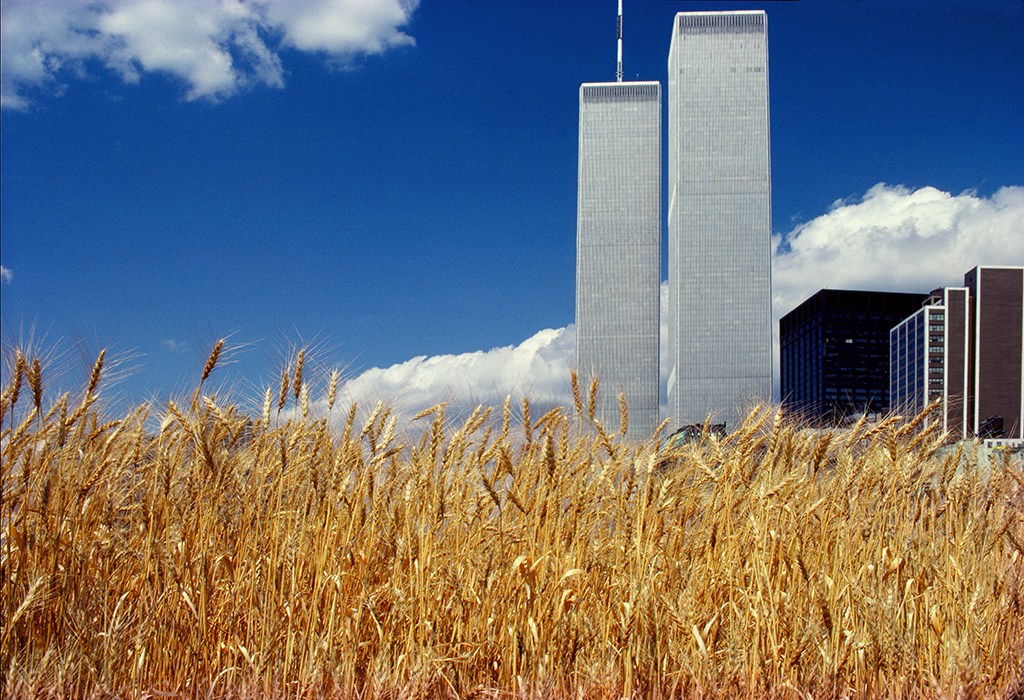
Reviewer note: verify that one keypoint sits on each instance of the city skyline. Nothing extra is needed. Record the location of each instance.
(397, 188)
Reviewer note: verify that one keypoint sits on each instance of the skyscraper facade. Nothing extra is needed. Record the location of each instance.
(719, 217)
(618, 249)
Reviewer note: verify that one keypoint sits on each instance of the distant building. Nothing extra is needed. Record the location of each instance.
(834, 352)
(966, 347)
(719, 217)
(995, 386)
(928, 357)
(618, 249)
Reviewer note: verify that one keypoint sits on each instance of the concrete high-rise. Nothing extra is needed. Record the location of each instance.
(719, 217)
(618, 249)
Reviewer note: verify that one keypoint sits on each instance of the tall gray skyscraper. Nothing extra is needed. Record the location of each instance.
(719, 217)
(618, 249)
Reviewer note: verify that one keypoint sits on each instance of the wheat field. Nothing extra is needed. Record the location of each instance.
(196, 549)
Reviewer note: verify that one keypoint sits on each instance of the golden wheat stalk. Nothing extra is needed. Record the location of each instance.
(35, 382)
(17, 375)
(282, 397)
(297, 384)
(577, 402)
(332, 389)
(211, 361)
(592, 401)
(527, 427)
(94, 375)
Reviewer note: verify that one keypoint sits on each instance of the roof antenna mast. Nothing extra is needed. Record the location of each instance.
(618, 72)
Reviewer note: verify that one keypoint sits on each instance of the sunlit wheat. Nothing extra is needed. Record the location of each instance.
(213, 553)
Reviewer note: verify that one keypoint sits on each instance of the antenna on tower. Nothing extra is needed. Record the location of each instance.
(618, 72)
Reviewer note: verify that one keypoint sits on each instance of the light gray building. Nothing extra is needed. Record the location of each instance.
(719, 217)
(928, 354)
(618, 249)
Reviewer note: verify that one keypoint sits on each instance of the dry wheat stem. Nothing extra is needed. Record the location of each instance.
(301, 561)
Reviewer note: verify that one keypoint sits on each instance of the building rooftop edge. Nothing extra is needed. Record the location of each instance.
(624, 82)
(722, 12)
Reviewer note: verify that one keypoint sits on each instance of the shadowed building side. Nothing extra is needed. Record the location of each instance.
(996, 364)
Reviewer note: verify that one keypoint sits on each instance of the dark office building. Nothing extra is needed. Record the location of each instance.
(834, 352)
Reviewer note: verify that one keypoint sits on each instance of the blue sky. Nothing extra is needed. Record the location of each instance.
(395, 183)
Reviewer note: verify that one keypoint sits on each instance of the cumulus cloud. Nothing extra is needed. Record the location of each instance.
(216, 47)
(537, 368)
(6, 275)
(897, 239)
(891, 239)
(341, 27)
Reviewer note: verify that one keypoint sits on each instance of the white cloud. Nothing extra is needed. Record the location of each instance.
(537, 368)
(340, 27)
(174, 345)
(900, 240)
(6, 275)
(891, 239)
(215, 47)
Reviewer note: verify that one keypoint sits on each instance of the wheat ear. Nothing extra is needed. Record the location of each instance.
(297, 388)
(35, 382)
(211, 362)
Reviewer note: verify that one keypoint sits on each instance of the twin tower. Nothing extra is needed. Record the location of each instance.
(719, 336)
